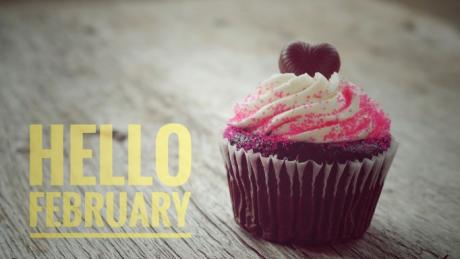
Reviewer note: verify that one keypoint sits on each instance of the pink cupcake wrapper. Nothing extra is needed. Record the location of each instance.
(304, 202)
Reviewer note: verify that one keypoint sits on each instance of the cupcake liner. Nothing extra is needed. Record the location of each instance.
(304, 202)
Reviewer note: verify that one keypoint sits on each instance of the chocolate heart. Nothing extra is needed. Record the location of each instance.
(300, 58)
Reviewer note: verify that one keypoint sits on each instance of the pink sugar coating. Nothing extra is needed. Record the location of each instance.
(270, 141)
(240, 113)
(279, 94)
(369, 115)
(302, 151)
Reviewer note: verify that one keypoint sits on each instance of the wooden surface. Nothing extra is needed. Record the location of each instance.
(158, 62)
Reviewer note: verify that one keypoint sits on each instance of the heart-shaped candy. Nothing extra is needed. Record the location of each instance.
(300, 58)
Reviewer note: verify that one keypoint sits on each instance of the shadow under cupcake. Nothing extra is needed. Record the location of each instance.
(307, 154)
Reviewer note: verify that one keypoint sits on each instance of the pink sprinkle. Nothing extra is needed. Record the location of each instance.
(369, 115)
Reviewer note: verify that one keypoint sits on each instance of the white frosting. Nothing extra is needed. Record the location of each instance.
(301, 108)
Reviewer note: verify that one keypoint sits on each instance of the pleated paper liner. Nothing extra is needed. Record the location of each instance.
(304, 202)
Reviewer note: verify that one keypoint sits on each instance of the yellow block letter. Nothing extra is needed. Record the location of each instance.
(134, 157)
(69, 209)
(185, 154)
(138, 211)
(50, 209)
(160, 209)
(34, 208)
(78, 153)
(38, 153)
(105, 164)
(181, 207)
(93, 209)
(122, 210)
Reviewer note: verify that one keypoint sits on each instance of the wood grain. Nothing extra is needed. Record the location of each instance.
(158, 62)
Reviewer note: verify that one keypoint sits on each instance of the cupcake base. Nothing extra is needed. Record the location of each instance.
(304, 202)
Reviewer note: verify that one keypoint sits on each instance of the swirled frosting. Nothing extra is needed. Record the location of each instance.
(310, 109)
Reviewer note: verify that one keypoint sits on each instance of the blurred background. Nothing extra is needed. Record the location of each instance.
(155, 62)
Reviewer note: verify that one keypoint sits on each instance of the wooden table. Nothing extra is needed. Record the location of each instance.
(188, 62)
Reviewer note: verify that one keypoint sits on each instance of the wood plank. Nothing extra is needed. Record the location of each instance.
(158, 62)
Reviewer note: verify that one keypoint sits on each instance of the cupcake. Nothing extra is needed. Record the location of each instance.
(306, 153)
